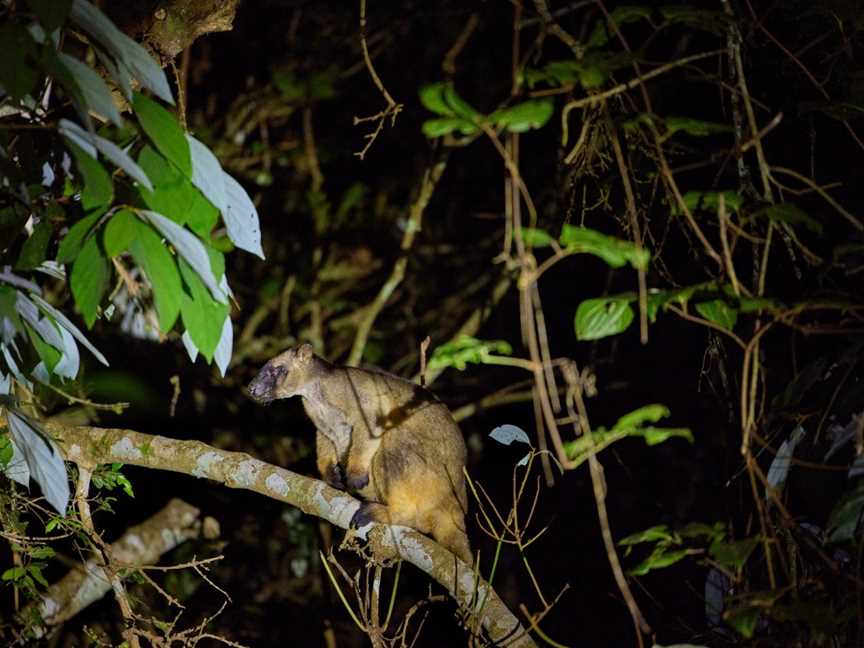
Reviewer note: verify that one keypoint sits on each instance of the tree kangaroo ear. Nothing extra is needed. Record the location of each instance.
(305, 352)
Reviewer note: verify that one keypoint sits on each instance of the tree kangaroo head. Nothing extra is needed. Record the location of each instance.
(286, 375)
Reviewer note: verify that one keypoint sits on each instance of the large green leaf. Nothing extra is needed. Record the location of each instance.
(47, 353)
(603, 316)
(97, 190)
(662, 556)
(524, 116)
(190, 248)
(129, 56)
(456, 113)
(173, 194)
(613, 251)
(158, 264)
(432, 97)
(71, 244)
(719, 312)
(164, 131)
(119, 233)
(93, 91)
(89, 141)
(203, 316)
(89, 280)
(34, 250)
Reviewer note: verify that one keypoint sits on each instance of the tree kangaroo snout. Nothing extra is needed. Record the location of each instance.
(381, 437)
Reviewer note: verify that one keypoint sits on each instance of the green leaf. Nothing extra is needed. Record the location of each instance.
(681, 296)
(129, 55)
(17, 75)
(217, 261)
(36, 572)
(120, 232)
(602, 317)
(592, 76)
(655, 436)
(652, 534)
(89, 280)
(94, 93)
(719, 312)
(71, 244)
(13, 574)
(202, 216)
(524, 116)
(188, 247)
(754, 304)
(637, 417)
(791, 214)
(35, 248)
(534, 237)
(158, 264)
(47, 353)
(98, 190)
(733, 555)
(458, 105)
(710, 200)
(661, 557)
(51, 13)
(467, 349)
(432, 98)
(5, 451)
(42, 553)
(202, 315)
(164, 131)
(173, 194)
(613, 251)
(442, 99)
(438, 127)
(695, 127)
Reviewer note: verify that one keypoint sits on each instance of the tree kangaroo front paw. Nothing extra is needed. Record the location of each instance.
(357, 482)
(368, 512)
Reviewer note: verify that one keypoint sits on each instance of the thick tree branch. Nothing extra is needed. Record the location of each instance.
(141, 545)
(239, 470)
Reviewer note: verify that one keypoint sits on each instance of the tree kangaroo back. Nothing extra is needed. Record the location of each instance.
(384, 438)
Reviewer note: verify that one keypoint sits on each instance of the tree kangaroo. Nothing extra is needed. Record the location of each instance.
(384, 438)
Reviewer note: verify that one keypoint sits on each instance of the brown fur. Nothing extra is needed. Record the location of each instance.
(386, 439)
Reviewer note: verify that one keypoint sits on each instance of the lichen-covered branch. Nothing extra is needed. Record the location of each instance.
(142, 544)
(239, 470)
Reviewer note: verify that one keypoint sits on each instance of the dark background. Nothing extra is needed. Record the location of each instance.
(672, 484)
